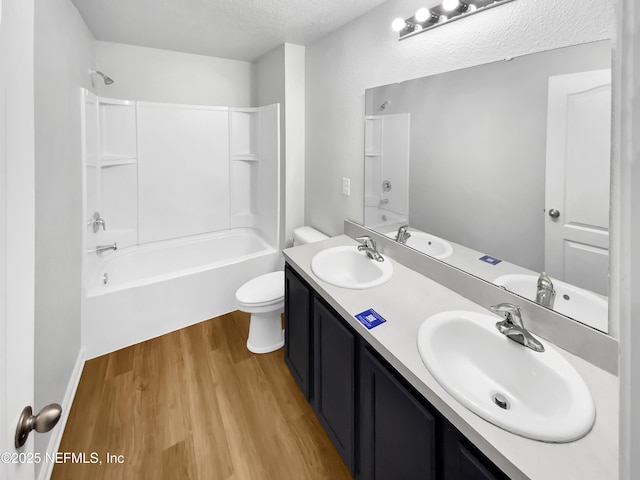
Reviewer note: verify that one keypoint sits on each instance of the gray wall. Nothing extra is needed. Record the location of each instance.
(279, 77)
(64, 51)
(478, 149)
(153, 75)
(366, 53)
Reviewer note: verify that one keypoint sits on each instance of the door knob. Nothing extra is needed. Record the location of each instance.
(553, 213)
(42, 422)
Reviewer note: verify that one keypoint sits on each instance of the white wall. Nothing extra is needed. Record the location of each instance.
(366, 53)
(63, 53)
(153, 75)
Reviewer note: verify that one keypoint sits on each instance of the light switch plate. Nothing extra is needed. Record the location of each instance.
(346, 186)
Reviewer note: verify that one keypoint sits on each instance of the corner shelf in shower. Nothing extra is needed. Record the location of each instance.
(117, 160)
(245, 157)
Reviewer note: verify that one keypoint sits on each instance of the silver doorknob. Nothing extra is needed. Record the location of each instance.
(553, 213)
(42, 422)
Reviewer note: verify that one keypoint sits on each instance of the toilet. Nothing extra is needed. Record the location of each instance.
(263, 298)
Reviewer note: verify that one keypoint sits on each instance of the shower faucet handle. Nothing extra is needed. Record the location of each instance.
(96, 222)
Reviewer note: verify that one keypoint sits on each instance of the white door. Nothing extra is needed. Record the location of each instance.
(16, 233)
(577, 179)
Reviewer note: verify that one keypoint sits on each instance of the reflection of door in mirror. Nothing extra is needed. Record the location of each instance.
(386, 182)
(577, 179)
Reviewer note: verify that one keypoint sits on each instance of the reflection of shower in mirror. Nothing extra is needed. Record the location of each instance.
(386, 164)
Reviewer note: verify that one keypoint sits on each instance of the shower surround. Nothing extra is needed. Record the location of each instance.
(189, 194)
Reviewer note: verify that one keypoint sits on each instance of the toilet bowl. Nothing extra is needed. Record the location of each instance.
(263, 298)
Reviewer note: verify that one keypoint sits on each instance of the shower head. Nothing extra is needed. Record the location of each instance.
(107, 80)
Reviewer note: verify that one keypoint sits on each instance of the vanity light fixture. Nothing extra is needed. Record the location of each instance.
(448, 11)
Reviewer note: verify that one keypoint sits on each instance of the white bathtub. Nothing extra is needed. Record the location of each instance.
(141, 292)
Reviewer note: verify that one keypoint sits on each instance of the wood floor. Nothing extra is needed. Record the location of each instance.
(196, 404)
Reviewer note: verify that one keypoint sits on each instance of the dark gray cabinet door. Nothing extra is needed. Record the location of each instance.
(297, 330)
(463, 461)
(334, 379)
(397, 433)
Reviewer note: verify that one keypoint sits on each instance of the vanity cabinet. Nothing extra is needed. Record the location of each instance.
(320, 351)
(381, 426)
(397, 432)
(334, 378)
(463, 461)
(297, 330)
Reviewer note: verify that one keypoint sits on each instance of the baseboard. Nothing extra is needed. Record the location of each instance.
(56, 437)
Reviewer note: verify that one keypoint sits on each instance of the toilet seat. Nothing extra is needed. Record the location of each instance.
(264, 291)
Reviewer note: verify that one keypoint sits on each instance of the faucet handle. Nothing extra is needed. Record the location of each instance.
(367, 241)
(96, 222)
(510, 312)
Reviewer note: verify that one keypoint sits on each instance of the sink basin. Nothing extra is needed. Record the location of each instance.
(546, 399)
(347, 267)
(577, 303)
(427, 243)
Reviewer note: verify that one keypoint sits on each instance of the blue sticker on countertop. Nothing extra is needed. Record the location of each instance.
(370, 318)
(490, 260)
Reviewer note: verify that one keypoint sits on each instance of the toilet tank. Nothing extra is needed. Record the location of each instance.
(306, 234)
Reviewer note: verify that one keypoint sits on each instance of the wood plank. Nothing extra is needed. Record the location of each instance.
(196, 404)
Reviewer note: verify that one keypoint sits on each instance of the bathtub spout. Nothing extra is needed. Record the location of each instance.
(103, 248)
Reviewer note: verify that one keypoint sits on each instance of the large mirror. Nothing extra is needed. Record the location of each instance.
(502, 170)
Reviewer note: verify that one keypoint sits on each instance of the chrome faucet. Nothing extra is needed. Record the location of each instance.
(545, 293)
(100, 249)
(513, 327)
(369, 246)
(403, 234)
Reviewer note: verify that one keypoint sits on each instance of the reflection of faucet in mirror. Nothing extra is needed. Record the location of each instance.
(369, 246)
(513, 327)
(545, 293)
(403, 234)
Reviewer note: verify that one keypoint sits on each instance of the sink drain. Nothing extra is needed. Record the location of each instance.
(501, 401)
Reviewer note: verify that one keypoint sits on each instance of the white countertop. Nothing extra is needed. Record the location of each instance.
(405, 302)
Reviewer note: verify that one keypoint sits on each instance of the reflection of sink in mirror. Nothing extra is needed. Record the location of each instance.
(537, 395)
(427, 243)
(381, 217)
(572, 301)
(347, 267)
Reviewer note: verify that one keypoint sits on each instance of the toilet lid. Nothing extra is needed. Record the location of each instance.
(263, 289)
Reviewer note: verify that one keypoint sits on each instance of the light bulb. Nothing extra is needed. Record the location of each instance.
(450, 5)
(422, 14)
(398, 24)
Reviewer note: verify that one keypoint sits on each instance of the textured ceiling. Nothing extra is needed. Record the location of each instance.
(237, 29)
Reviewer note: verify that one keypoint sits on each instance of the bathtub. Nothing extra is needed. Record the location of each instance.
(141, 292)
